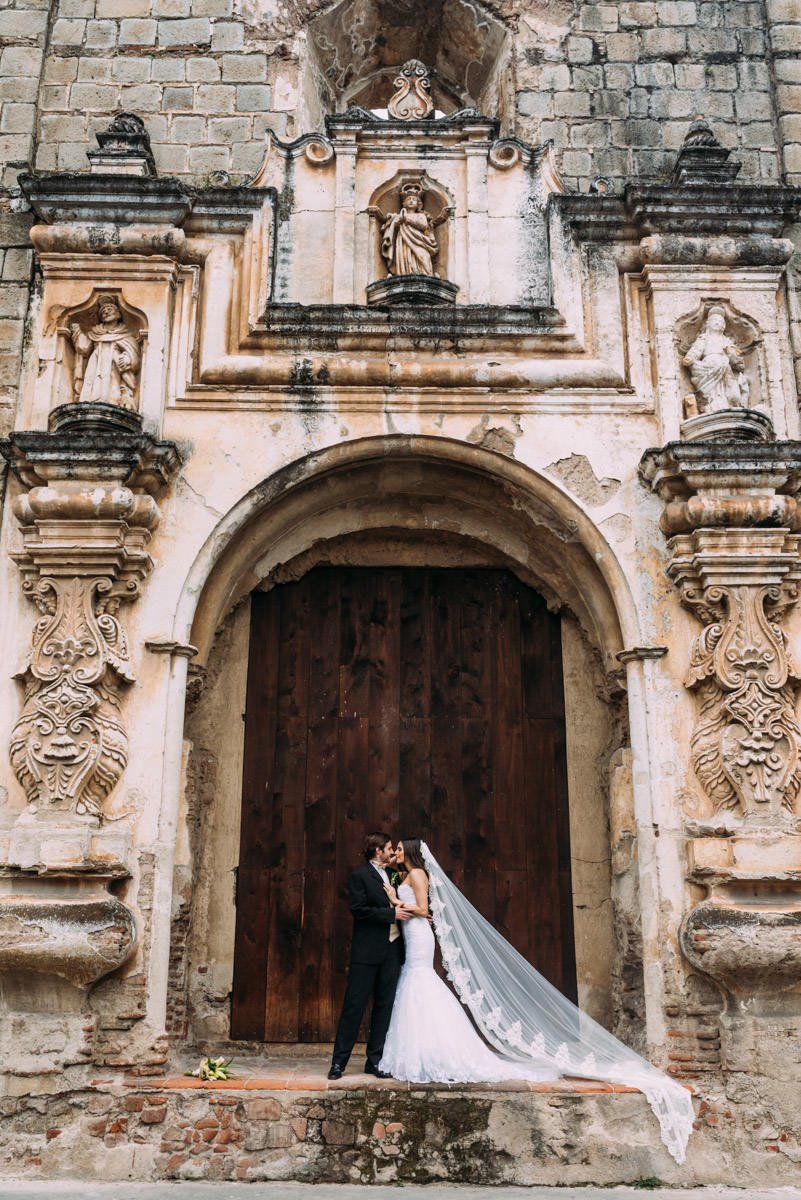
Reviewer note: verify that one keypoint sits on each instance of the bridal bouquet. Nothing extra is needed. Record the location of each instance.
(212, 1068)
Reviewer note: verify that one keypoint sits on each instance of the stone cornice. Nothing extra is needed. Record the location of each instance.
(113, 454)
(697, 210)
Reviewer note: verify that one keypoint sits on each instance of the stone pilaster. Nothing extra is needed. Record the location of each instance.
(732, 520)
(87, 510)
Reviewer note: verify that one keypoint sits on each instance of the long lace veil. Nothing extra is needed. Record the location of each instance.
(527, 1020)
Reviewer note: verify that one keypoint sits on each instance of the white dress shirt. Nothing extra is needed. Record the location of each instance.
(394, 932)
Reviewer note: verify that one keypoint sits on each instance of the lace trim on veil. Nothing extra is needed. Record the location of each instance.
(527, 1020)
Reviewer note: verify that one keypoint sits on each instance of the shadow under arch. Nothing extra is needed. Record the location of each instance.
(434, 487)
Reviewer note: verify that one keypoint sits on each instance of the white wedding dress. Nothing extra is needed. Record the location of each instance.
(529, 1030)
(431, 1039)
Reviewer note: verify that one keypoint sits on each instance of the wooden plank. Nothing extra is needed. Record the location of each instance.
(354, 672)
(415, 674)
(283, 962)
(351, 832)
(447, 815)
(536, 654)
(513, 918)
(316, 1018)
(249, 989)
(476, 590)
(383, 779)
(562, 804)
(541, 858)
(415, 777)
(513, 802)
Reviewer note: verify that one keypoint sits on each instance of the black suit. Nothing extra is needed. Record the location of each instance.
(375, 965)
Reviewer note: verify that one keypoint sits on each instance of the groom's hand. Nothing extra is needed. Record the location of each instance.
(402, 914)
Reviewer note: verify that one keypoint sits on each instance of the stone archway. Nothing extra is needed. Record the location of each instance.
(427, 502)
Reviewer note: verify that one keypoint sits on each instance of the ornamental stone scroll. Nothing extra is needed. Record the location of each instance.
(732, 521)
(86, 515)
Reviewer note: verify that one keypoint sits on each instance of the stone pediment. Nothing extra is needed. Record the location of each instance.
(493, 242)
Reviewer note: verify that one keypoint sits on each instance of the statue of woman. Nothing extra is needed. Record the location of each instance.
(107, 358)
(408, 242)
(716, 366)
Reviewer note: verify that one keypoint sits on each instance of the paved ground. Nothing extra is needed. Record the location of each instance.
(327, 1191)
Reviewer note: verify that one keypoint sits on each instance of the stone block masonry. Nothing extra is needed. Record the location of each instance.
(169, 1130)
(636, 71)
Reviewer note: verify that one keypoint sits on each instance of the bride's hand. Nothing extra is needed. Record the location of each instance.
(393, 895)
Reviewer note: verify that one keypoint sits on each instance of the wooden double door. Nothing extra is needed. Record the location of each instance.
(424, 702)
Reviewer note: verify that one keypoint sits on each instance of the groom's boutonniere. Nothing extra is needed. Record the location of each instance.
(393, 876)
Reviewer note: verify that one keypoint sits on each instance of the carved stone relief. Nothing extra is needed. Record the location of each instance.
(737, 563)
(745, 747)
(408, 242)
(412, 99)
(106, 353)
(86, 519)
(69, 747)
(716, 349)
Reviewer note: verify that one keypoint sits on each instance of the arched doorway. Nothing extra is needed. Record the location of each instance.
(399, 501)
(423, 701)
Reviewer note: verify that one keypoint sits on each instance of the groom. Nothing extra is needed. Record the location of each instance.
(375, 958)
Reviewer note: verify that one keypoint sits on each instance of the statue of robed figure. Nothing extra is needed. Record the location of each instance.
(408, 242)
(107, 358)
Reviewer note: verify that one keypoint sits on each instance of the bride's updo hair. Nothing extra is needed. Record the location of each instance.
(412, 854)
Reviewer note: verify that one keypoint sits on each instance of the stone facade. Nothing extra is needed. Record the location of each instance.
(216, 373)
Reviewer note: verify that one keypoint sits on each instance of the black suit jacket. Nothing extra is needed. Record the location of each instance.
(372, 916)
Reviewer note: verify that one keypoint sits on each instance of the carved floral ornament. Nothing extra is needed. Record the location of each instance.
(69, 746)
(86, 517)
(736, 559)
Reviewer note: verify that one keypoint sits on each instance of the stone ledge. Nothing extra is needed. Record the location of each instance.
(363, 1134)
(291, 1082)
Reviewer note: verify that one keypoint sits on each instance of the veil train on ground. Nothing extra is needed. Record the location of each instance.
(528, 1021)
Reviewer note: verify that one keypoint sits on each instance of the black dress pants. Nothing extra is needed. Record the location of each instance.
(366, 980)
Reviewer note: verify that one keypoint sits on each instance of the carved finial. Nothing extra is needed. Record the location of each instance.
(412, 100)
(700, 134)
(123, 148)
(702, 159)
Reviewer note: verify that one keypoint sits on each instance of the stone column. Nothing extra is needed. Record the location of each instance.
(87, 508)
(732, 522)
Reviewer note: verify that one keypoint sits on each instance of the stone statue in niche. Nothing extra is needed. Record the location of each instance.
(717, 369)
(108, 357)
(412, 99)
(408, 242)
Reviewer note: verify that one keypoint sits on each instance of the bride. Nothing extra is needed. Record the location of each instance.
(536, 1033)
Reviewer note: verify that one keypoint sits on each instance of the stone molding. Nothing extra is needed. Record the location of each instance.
(79, 937)
(86, 517)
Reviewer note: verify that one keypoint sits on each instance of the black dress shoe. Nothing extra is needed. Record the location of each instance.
(335, 1072)
(372, 1069)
